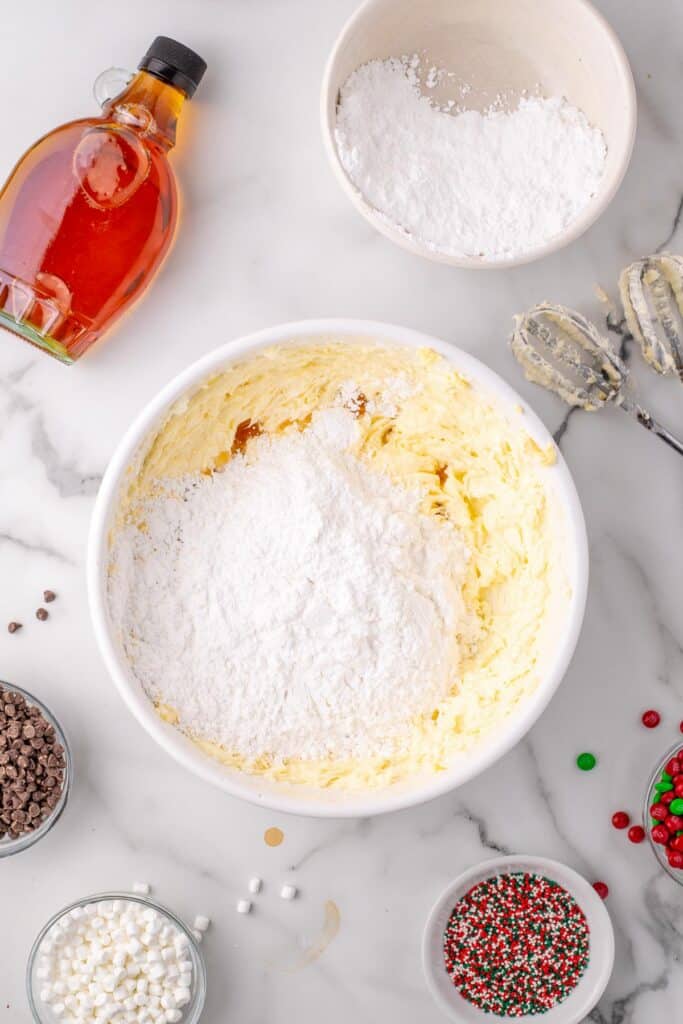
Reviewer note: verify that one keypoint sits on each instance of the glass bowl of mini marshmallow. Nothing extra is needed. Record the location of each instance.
(116, 958)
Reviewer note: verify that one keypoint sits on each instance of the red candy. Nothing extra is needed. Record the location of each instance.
(636, 833)
(659, 811)
(674, 858)
(660, 834)
(681, 726)
(666, 798)
(678, 788)
(674, 822)
(651, 719)
(620, 819)
(674, 767)
(602, 890)
(677, 843)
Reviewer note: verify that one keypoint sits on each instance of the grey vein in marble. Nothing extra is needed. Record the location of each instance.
(66, 479)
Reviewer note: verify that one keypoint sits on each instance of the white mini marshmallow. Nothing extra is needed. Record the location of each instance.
(243, 906)
(288, 892)
(255, 885)
(201, 923)
(141, 888)
(182, 995)
(197, 935)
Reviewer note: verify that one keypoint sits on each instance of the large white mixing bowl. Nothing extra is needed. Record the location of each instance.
(286, 797)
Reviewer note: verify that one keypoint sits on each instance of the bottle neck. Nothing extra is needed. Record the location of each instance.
(149, 106)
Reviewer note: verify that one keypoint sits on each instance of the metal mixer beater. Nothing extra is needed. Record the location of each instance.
(562, 351)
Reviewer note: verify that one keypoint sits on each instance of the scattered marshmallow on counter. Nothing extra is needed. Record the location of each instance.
(201, 923)
(141, 888)
(197, 935)
(255, 885)
(288, 892)
(243, 906)
(115, 961)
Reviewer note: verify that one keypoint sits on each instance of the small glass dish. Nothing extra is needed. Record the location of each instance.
(23, 842)
(650, 798)
(191, 1012)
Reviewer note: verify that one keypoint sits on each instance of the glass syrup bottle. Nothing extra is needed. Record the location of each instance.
(89, 212)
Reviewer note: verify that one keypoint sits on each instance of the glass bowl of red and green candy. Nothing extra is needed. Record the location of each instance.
(663, 812)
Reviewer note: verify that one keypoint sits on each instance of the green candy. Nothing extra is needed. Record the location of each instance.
(676, 806)
(666, 777)
(666, 787)
(586, 762)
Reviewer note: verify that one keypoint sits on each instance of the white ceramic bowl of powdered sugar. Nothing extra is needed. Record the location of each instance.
(293, 616)
(479, 133)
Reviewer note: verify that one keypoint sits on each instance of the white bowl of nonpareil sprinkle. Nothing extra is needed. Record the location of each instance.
(337, 567)
(551, 948)
(479, 133)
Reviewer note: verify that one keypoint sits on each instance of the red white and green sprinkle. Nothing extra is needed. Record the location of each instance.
(516, 944)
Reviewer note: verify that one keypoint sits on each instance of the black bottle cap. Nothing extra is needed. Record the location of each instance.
(174, 63)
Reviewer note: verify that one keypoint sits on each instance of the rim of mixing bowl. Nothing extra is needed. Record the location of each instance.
(191, 1013)
(281, 797)
(8, 847)
(657, 848)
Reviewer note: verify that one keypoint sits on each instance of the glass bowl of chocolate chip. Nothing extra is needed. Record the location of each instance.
(35, 770)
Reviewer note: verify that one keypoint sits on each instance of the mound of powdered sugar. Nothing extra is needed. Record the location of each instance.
(493, 185)
(295, 604)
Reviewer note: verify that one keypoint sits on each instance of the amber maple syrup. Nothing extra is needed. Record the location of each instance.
(89, 212)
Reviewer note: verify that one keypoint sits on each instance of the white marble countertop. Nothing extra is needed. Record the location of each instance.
(267, 236)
